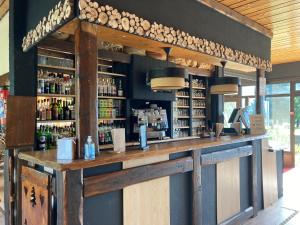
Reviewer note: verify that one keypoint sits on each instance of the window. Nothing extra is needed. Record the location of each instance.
(277, 89)
(277, 120)
(297, 86)
(248, 91)
(228, 109)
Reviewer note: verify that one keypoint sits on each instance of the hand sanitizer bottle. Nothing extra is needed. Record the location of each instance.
(89, 149)
(92, 148)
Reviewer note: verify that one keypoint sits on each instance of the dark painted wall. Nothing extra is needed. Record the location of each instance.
(199, 20)
(288, 71)
(138, 89)
(22, 66)
(36, 10)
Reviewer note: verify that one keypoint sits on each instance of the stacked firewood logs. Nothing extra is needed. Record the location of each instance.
(60, 13)
(108, 16)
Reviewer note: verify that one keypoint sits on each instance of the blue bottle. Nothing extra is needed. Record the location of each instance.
(89, 149)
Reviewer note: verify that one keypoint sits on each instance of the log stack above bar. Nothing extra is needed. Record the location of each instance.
(106, 15)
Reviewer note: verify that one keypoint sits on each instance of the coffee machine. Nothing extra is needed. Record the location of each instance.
(155, 118)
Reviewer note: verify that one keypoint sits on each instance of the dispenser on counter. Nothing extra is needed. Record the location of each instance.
(155, 118)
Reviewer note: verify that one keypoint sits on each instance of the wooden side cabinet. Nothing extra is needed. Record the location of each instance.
(35, 197)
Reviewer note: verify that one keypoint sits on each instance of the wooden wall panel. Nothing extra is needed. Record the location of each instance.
(228, 189)
(21, 113)
(270, 187)
(147, 203)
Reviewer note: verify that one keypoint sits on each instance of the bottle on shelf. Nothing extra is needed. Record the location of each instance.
(66, 111)
(120, 89)
(43, 111)
(54, 110)
(48, 111)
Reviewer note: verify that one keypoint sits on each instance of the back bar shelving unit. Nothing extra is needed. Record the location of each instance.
(189, 110)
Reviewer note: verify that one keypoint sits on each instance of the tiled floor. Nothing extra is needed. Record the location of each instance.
(287, 210)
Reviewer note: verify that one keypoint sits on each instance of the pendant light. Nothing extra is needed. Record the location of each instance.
(169, 78)
(224, 85)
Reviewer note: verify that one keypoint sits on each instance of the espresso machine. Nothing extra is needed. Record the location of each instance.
(155, 118)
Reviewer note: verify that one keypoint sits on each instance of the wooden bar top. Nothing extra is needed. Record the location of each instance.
(48, 158)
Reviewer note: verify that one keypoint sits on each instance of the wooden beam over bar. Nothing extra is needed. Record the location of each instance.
(97, 185)
(221, 156)
(86, 57)
(237, 16)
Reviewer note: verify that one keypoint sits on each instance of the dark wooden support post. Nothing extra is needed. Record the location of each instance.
(86, 54)
(254, 181)
(259, 98)
(69, 197)
(197, 189)
(217, 102)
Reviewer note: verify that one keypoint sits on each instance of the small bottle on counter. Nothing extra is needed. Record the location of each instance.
(89, 149)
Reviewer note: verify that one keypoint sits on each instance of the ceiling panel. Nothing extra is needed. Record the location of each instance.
(282, 17)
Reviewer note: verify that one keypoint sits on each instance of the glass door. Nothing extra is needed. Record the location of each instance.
(277, 119)
(297, 129)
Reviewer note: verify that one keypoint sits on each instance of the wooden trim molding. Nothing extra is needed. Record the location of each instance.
(108, 16)
(221, 156)
(237, 17)
(97, 185)
(56, 17)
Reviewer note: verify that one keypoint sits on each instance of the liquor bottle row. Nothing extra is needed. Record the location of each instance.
(110, 113)
(46, 60)
(55, 83)
(183, 112)
(197, 93)
(181, 123)
(110, 87)
(105, 128)
(109, 108)
(182, 102)
(55, 109)
(109, 103)
(197, 103)
(48, 135)
(198, 83)
(198, 112)
(183, 93)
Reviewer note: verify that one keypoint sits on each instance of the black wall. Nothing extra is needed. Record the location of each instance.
(22, 66)
(199, 20)
(286, 71)
(137, 88)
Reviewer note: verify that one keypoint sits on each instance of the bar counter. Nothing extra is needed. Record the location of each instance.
(196, 181)
(48, 158)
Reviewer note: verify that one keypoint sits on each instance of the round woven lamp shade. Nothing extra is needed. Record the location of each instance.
(171, 78)
(224, 85)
